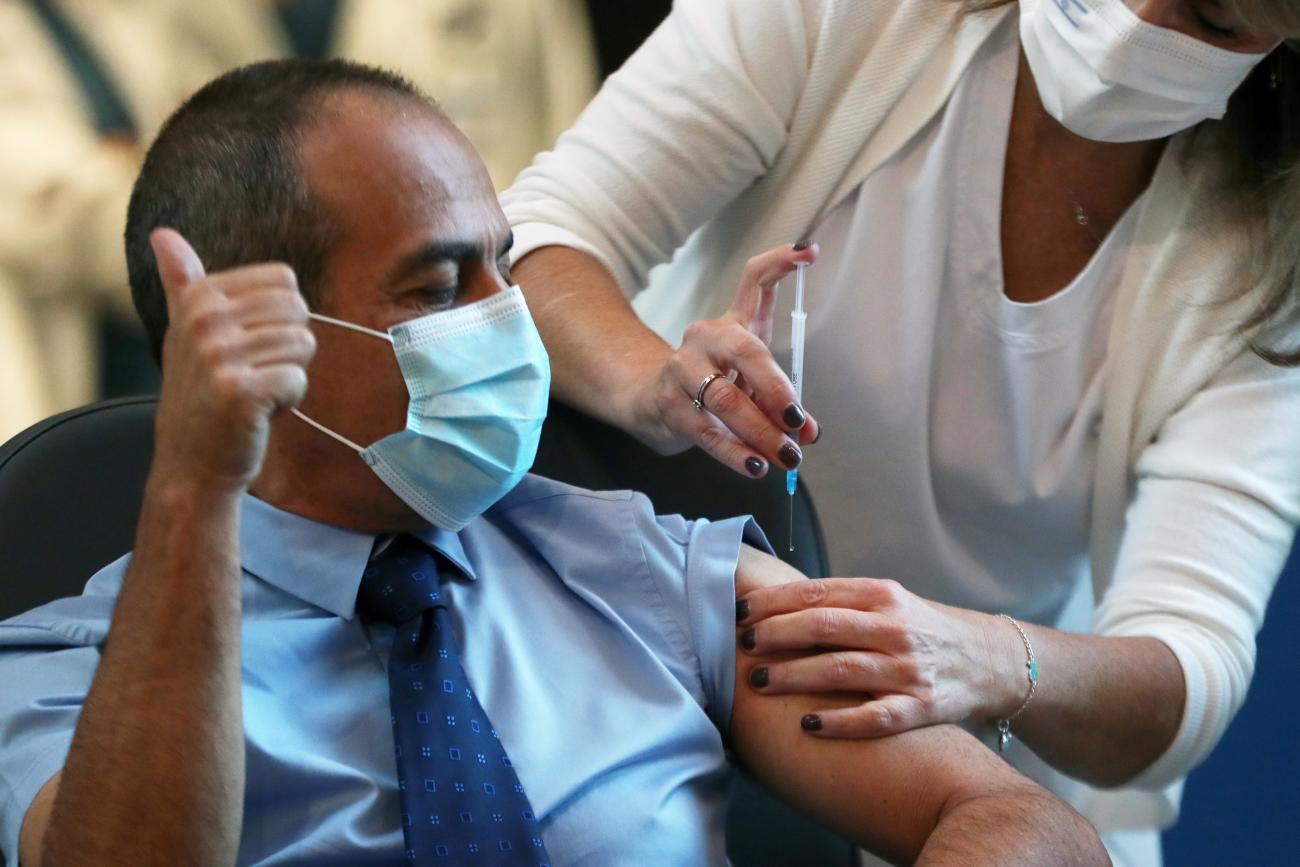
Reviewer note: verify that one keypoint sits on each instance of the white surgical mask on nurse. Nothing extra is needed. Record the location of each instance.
(1108, 75)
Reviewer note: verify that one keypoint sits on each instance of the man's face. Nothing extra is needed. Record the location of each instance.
(419, 231)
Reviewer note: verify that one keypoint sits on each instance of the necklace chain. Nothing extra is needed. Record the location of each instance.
(1081, 217)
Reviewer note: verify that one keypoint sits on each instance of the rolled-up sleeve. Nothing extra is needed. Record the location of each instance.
(693, 567)
(46, 677)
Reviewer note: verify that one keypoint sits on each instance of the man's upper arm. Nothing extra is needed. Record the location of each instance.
(886, 794)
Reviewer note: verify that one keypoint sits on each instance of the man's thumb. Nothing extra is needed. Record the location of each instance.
(178, 264)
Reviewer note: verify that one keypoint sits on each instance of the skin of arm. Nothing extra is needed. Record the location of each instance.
(161, 731)
(929, 796)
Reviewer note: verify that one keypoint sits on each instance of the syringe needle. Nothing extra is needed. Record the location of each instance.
(790, 533)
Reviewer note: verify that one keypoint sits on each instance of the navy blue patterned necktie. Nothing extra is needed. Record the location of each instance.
(461, 798)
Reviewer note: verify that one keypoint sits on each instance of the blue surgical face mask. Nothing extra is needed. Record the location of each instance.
(479, 378)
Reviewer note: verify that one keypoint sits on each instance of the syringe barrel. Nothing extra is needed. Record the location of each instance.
(797, 323)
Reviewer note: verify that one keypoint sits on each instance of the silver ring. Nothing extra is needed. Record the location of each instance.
(699, 393)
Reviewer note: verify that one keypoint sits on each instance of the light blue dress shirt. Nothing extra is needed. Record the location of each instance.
(599, 638)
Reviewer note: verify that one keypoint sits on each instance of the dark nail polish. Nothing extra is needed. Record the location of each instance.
(758, 678)
(742, 609)
(820, 430)
(790, 456)
(811, 723)
(748, 639)
(754, 466)
(802, 245)
(794, 416)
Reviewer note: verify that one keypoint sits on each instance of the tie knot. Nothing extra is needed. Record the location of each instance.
(401, 582)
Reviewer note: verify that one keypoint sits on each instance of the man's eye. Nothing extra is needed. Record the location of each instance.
(437, 296)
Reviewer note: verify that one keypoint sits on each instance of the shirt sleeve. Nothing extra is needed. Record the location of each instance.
(1218, 499)
(693, 567)
(48, 659)
(656, 155)
(46, 681)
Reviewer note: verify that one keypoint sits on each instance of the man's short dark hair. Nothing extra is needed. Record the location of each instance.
(225, 173)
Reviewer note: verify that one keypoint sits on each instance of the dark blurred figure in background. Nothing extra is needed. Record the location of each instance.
(84, 82)
(621, 27)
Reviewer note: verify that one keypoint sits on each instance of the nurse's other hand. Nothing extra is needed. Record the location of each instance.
(751, 417)
(923, 663)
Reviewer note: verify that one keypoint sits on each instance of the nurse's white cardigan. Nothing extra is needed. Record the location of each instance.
(741, 124)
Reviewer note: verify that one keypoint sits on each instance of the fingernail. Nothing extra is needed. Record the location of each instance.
(758, 678)
(820, 429)
(790, 456)
(748, 639)
(794, 416)
(811, 723)
(754, 466)
(742, 609)
(802, 245)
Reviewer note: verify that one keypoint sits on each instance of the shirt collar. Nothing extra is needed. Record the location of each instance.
(319, 563)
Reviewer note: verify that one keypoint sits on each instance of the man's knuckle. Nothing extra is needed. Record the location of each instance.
(283, 275)
(229, 386)
(214, 350)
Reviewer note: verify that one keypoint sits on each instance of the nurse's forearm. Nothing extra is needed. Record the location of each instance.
(602, 355)
(1106, 707)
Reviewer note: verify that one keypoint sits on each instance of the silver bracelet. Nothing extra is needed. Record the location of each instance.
(1004, 725)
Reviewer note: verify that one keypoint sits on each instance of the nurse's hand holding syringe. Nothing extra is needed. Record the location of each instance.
(723, 390)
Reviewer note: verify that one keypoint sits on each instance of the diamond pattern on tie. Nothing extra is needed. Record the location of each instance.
(461, 799)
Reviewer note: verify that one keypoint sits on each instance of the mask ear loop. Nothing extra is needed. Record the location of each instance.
(320, 427)
(382, 335)
(354, 327)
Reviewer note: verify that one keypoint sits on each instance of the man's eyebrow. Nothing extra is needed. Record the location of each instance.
(443, 251)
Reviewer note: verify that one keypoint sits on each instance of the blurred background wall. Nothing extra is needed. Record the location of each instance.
(85, 84)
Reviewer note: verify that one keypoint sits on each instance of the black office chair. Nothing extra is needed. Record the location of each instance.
(71, 487)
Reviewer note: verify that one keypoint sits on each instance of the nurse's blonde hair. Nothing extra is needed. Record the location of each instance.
(1258, 141)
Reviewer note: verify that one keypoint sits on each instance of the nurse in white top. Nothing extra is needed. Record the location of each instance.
(1047, 348)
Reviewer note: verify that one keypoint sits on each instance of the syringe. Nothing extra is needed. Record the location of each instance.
(797, 319)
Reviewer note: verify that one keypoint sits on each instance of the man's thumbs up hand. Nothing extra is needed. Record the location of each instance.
(235, 354)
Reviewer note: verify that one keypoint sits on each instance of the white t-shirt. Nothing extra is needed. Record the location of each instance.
(961, 427)
(959, 424)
